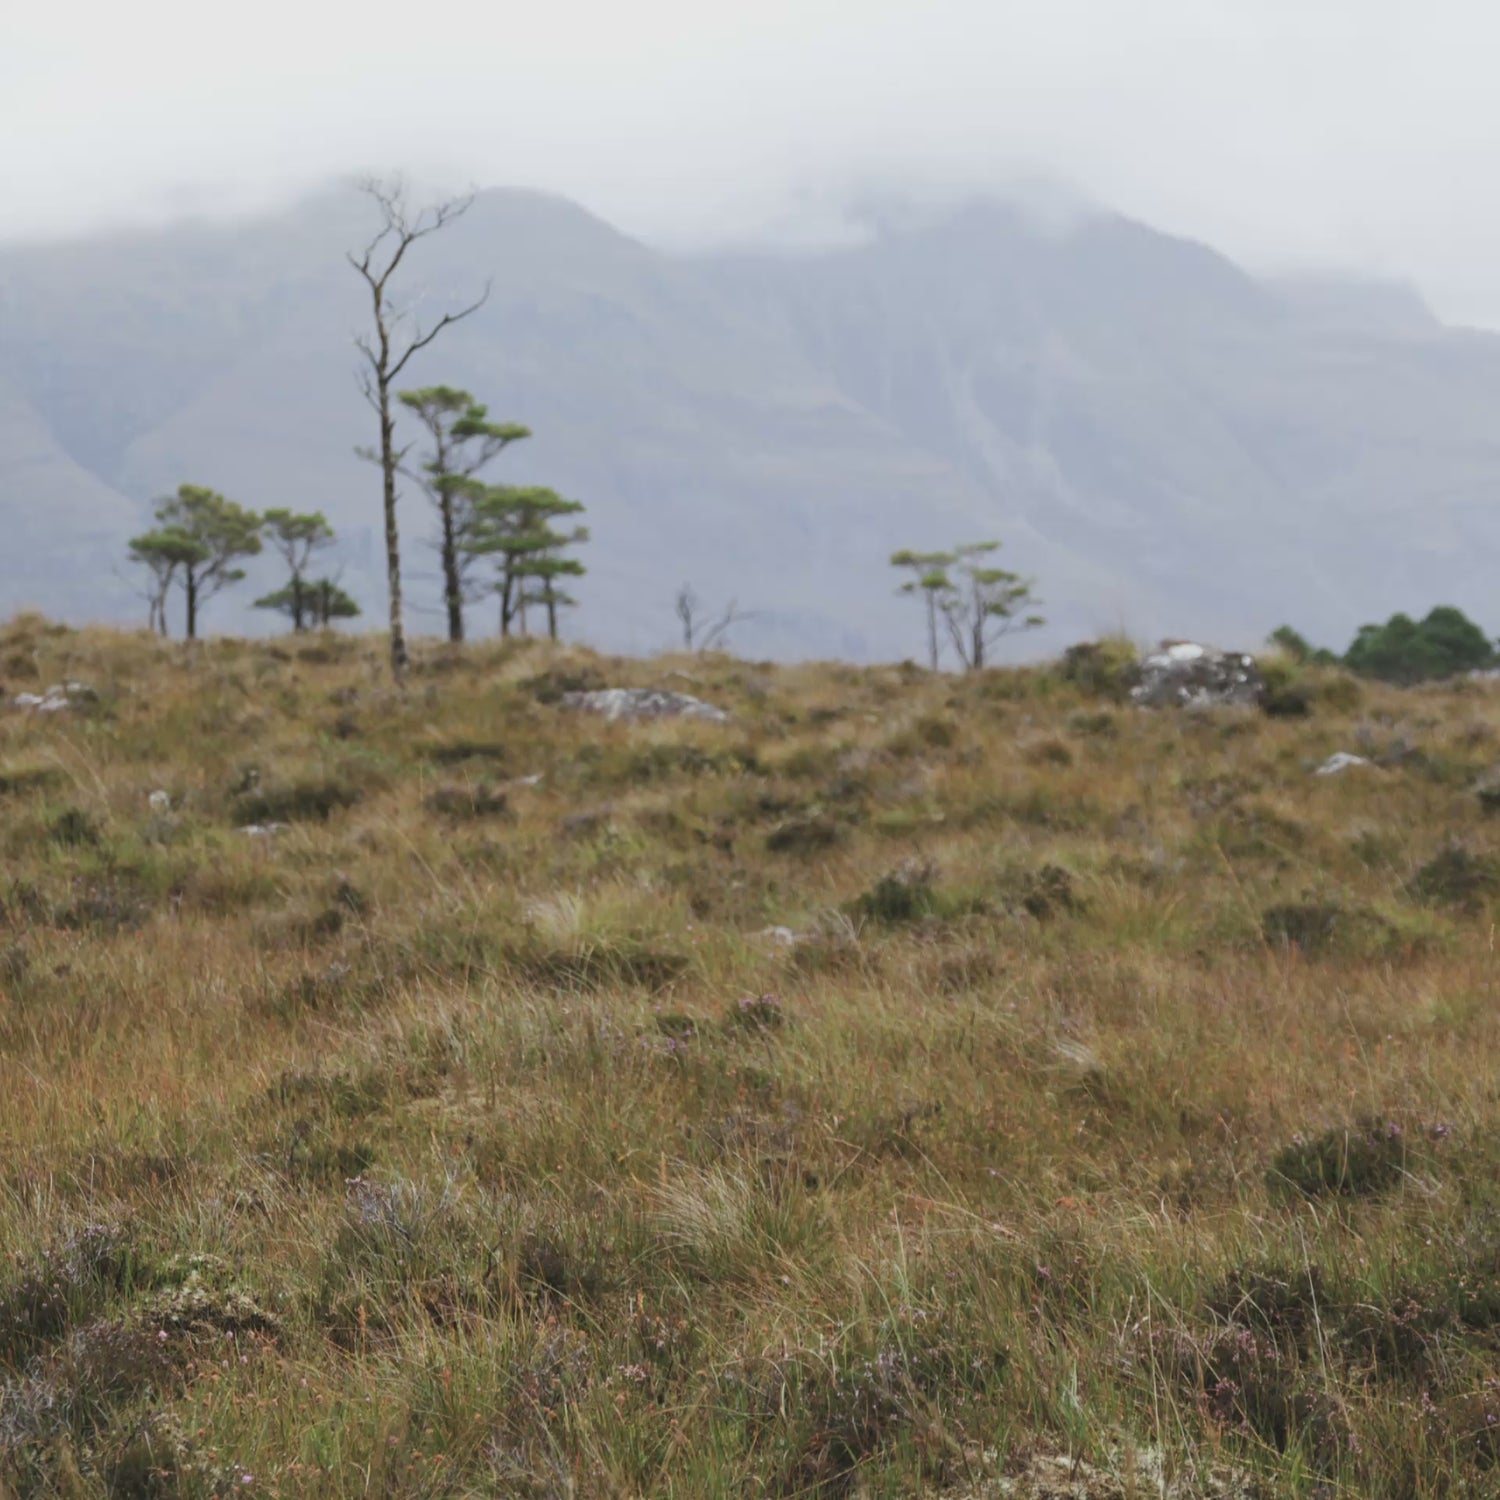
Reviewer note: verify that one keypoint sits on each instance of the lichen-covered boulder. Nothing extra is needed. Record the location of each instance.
(1183, 674)
(643, 703)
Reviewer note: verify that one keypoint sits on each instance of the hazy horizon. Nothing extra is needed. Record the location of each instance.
(1343, 139)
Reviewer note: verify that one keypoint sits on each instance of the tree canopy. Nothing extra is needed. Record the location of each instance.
(977, 604)
(1444, 644)
(462, 441)
(298, 538)
(200, 539)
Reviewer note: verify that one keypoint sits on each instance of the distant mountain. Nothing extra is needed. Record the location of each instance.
(1168, 444)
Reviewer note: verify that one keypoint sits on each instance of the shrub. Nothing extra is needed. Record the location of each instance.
(75, 829)
(312, 799)
(904, 894)
(1284, 694)
(462, 802)
(814, 834)
(1104, 669)
(1346, 1161)
(1308, 925)
(1045, 892)
(1458, 877)
(17, 780)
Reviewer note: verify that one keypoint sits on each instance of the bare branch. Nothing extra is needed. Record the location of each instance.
(446, 321)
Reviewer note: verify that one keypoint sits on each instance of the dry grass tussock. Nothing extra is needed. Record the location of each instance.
(916, 1086)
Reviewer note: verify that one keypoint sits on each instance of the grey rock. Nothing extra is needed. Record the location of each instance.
(58, 698)
(1183, 674)
(643, 703)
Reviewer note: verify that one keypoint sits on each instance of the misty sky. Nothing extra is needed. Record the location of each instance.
(1362, 133)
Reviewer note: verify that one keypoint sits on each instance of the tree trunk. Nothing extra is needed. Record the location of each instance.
(932, 634)
(507, 609)
(399, 657)
(551, 615)
(192, 606)
(453, 592)
(298, 619)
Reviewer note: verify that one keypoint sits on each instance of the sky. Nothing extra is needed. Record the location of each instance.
(1357, 134)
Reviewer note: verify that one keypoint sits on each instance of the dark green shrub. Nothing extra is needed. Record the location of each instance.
(1346, 1161)
(814, 834)
(17, 780)
(456, 752)
(1308, 925)
(551, 686)
(1458, 877)
(905, 894)
(464, 802)
(314, 799)
(75, 829)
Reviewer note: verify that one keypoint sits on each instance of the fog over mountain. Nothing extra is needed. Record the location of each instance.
(1169, 444)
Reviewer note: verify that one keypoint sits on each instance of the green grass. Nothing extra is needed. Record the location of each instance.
(1119, 1117)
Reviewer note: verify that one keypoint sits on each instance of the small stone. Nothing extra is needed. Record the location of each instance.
(783, 937)
(160, 802)
(1339, 762)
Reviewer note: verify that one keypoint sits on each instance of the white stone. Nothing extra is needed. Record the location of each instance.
(160, 802)
(784, 936)
(1340, 762)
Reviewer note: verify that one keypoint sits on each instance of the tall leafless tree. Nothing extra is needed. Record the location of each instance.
(397, 337)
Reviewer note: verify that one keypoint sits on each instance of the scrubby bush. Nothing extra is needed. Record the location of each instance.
(1406, 651)
(1347, 1161)
(1109, 668)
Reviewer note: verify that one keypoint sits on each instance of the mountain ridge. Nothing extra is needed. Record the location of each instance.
(1168, 443)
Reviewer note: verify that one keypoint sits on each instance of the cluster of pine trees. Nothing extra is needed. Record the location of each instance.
(520, 533)
(200, 541)
(515, 541)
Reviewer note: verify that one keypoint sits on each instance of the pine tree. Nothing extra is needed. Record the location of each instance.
(321, 601)
(977, 604)
(464, 441)
(984, 604)
(161, 554)
(513, 527)
(200, 539)
(930, 579)
(298, 538)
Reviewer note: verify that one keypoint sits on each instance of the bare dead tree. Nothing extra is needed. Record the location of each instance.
(397, 337)
(703, 633)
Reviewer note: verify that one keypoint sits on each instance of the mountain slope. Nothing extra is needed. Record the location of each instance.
(1165, 442)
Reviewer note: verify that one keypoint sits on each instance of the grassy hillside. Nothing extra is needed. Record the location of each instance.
(1115, 1116)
